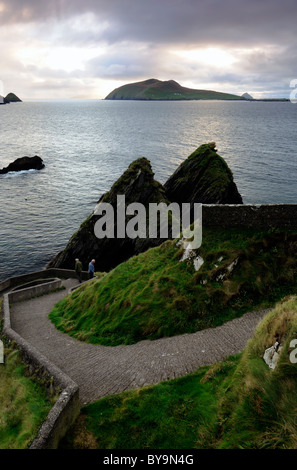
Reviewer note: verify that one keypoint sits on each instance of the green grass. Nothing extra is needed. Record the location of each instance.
(155, 295)
(23, 403)
(169, 415)
(238, 403)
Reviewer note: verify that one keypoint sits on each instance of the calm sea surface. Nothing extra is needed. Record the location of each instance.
(87, 144)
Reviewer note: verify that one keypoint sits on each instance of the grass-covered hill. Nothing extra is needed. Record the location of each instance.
(237, 404)
(156, 294)
(154, 89)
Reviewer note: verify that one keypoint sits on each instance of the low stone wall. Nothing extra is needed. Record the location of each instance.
(45, 273)
(255, 216)
(67, 407)
(33, 291)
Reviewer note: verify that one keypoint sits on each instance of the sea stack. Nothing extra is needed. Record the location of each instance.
(204, 177)
(137, 184)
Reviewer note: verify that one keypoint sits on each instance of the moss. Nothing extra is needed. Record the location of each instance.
(120, 186)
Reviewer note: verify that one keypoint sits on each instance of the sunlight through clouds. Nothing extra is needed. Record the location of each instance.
(85, 48)
(213, 57)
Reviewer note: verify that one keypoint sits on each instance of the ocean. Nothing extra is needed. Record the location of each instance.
(87, 144)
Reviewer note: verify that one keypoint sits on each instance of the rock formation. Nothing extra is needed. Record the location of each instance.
(137, 184)
(24, 163)
(247, 96)
(12, 98)
(204, 177)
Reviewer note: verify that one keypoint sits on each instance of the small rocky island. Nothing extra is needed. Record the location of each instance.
(23, 164)
(10, 98)
(204, 177)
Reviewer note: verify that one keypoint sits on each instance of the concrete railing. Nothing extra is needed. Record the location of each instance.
(67, 407)
(24, 293)
(15, 281)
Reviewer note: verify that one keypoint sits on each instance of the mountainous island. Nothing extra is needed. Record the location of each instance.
(154, 89)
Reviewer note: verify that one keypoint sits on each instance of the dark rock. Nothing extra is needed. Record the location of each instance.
(12, 98)
(203, 178)
(138, 185)
(24, 163)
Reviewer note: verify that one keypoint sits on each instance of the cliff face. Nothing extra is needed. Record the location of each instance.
(137, 184)
(204, 177)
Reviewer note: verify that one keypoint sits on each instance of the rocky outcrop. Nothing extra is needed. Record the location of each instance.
(24, 163)
(137, 184)
(203, 178)
(12, 98)
(247, 96)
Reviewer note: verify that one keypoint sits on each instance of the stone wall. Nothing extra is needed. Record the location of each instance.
(257, 216)
(25, 293)
(45, 273)
(67, 407)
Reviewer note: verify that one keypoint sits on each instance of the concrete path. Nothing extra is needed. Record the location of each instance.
(102, 370)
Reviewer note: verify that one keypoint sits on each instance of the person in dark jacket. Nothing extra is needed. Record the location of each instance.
(78, 269)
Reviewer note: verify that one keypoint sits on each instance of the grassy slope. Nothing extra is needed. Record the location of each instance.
(24, 404)
(155, 295)
(238, 403)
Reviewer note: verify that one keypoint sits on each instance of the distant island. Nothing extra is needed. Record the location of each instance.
(170, 90)
(248, 97)
(10, 98)
(154, 89)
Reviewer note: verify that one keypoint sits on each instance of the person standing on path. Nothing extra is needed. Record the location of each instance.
(91, 269)
(78, 268)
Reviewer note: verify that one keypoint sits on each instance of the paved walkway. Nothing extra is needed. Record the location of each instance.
(103, 370)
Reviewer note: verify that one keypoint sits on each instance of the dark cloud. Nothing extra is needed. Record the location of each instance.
(137, 39)
(170, 21)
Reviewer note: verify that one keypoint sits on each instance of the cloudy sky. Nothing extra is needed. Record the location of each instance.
(86, 48)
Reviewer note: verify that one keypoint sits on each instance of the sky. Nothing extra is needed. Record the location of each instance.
(85, 48)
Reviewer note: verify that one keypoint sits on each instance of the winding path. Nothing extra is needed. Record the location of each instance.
(102, 370)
